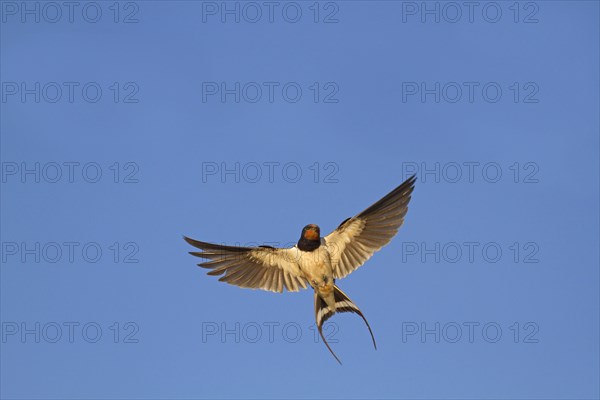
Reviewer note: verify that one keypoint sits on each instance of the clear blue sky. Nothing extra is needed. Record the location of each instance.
(490, 290)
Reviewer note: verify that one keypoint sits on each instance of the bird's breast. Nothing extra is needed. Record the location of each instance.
(316, 264)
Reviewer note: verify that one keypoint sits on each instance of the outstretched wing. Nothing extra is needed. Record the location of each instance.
(357, 238)
(266, 268)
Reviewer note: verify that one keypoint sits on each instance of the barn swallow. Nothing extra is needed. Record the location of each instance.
(314, 260)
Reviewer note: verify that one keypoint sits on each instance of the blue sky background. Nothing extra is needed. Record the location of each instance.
(545, 288)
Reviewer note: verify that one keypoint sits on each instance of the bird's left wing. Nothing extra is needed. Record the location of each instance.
(357, 238)
(264, 267)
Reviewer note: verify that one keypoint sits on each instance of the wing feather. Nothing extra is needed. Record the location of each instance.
(266, 268)
(359, 237)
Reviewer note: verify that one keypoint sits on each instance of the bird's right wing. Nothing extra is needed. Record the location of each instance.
(266, 268)
(357, 238)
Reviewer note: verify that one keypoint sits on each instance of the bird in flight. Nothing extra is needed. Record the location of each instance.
(314, 260)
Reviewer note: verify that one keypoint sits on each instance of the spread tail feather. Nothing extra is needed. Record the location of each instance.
(342, 304)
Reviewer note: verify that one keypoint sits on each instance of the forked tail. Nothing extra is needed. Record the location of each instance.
(342, 304)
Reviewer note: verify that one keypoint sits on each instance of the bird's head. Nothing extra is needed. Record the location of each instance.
(311, 232)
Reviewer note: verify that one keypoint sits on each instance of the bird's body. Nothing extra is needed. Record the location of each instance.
(316, 267)
(314, 260)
